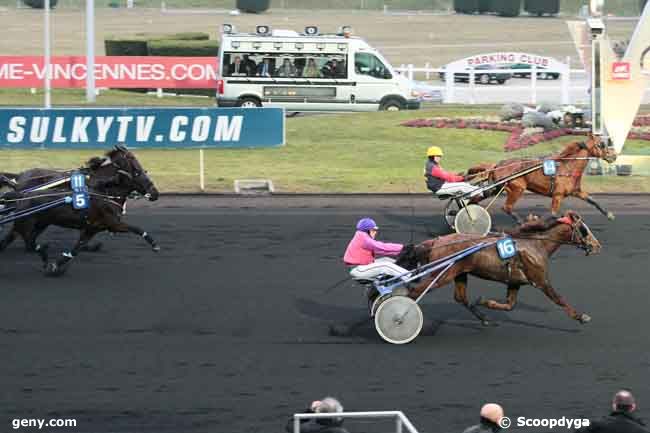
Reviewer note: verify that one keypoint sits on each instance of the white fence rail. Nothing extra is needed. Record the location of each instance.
(454, 93)
(401, 421)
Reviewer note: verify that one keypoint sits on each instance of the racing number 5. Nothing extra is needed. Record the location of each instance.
(80, 201)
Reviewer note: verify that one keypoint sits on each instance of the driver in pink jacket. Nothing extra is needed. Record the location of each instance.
(363, 248)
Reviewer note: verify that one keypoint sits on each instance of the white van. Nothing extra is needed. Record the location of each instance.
(308, 72)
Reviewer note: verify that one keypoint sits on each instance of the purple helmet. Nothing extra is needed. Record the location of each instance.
(366, 224)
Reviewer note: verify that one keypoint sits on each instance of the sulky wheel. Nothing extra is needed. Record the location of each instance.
(473, 219)
(398, 320)
(451, 210)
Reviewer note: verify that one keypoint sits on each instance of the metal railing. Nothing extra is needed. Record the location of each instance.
(472, 74)
(401, 421)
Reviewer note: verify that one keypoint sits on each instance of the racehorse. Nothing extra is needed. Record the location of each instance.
(535, 241)
(111, 180)
(571, 163)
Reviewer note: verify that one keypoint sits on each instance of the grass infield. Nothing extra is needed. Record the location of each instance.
(362, 153)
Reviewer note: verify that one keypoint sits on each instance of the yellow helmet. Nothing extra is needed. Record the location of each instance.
(434, 151)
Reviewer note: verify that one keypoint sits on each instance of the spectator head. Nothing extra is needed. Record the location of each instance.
(492, 412)
(334, 62)
(624, 401)
(267, 60)
(311, 62)
(287, 62)
(237, 59)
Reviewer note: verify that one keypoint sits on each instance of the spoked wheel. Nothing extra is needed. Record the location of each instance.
(399, 320)
(473, 219)
(451, 210)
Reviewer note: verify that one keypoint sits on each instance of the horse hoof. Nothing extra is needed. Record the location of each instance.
(155, 248)
(610, 216)
(584, 318)
(53, 270)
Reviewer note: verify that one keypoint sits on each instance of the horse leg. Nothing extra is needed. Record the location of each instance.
(59, 267)
(121, 227)
(513, 194)
(8, 239)
(460, 295)
(550, 293)
(556, 203)
(509, 305)
(30, 240)
(586, 197)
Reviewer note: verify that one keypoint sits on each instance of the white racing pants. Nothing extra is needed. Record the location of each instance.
(454, 188)
(381, 266)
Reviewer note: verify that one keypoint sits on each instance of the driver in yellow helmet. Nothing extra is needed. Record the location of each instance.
(442, 182)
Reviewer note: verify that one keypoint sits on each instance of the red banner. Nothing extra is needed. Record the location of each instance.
(111, 71)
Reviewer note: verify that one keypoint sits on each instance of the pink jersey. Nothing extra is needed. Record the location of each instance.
(362, 249)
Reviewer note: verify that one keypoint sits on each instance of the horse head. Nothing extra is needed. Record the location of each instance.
(123, 169)
(130, 169)
(580, 233)
(598, 148)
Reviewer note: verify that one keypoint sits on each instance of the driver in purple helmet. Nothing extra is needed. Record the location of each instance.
(363, 248)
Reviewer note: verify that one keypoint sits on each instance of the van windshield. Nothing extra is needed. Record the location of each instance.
(285, 65)
(369, 64)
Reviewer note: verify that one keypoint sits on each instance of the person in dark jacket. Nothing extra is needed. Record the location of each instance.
(621, 420)
(491, 416)
(320, 425)
(442, 182)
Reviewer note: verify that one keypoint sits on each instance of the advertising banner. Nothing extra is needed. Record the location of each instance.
(88, 128)
(111, 72)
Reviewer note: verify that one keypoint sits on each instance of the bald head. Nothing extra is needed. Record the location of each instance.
(492, 412)
(624, 401)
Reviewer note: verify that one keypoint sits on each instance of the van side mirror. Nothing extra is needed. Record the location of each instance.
(387, 75)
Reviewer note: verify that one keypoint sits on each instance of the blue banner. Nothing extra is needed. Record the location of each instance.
(87, 128)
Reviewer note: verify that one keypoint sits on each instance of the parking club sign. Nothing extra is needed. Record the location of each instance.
(621, 71)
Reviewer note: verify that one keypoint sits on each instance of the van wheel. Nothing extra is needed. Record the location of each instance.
(484, 79)
(249, 102)
(543, 76)
(391, 105)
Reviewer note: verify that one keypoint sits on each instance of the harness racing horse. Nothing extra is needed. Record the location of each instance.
(571, 163)
(535, 242)
(111, 180)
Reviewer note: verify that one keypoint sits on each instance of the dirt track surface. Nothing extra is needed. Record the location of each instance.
(226, 329)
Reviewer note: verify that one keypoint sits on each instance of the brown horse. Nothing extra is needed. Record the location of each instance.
(535, 242)
(571, 163)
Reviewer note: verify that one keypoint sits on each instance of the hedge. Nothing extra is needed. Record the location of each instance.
(484, 6)
(40, 4)
(255, 6)
(466, 6)
(507, 8)
(181, 48)
(138, 45)
(541, 7)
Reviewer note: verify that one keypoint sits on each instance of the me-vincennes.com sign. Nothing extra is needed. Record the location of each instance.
(83, 128)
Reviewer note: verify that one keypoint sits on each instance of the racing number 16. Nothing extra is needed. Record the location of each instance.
(506, 248)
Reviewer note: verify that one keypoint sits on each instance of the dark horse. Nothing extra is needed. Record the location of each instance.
(571, 163)
(535, 242)
(112, 179)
